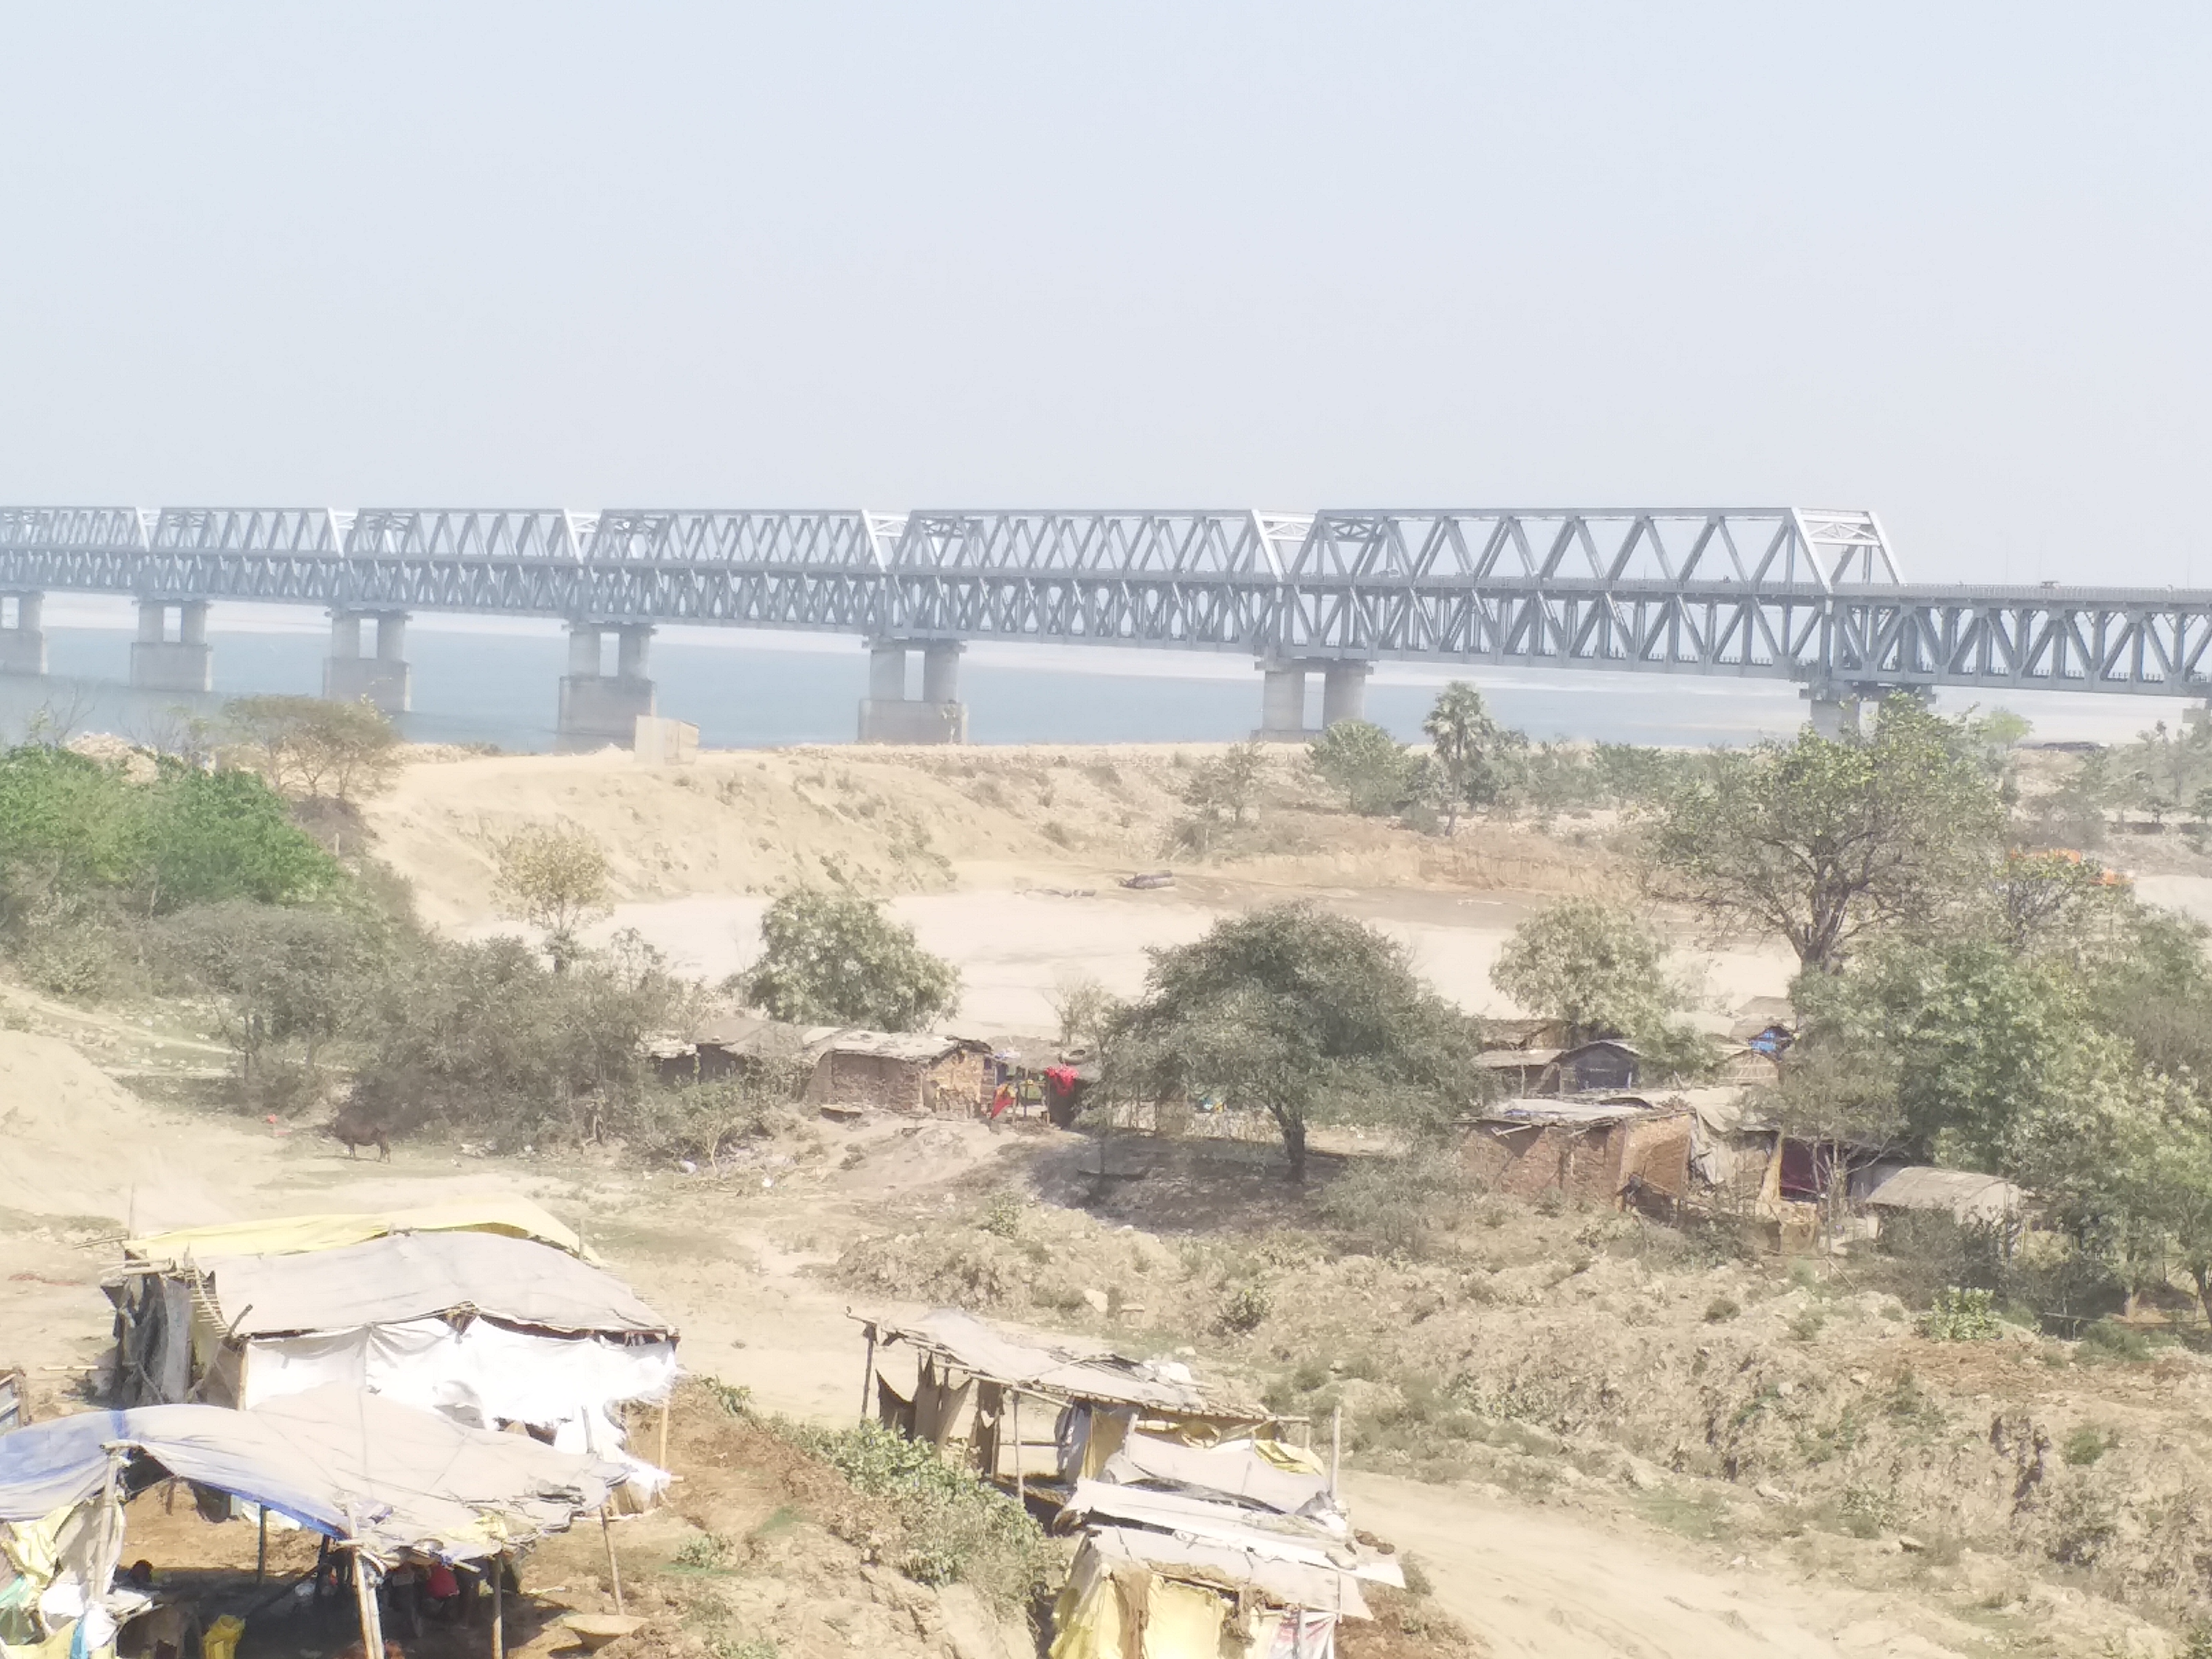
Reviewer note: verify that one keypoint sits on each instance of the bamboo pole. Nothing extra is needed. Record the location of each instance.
(868, 1375)
(661, 1456)
(364, 1596)
(499, 1605)
(1021, 1485)
(1335, 1445)
(261, 1545)
(613, 1567)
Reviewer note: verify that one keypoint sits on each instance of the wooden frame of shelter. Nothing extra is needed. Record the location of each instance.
(968, 1374)
(383, 1485)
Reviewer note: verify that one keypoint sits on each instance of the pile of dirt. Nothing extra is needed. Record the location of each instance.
(894, 821)
(78, 1143)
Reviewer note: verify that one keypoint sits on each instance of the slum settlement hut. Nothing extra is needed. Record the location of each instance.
(1205, 1532)
(483, 1328)
(970, 1381)
(1593, 1152)
(919, 1073)
(384, 1484)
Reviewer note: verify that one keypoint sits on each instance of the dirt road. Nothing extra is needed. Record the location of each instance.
(1536, 1586)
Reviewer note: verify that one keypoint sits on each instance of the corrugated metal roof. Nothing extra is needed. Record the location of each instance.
(1584, 1114)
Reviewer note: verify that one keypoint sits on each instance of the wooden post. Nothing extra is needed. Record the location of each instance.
(868, 1376)
(613, 1567)
(1021, 1481)
(499, 1605)
(364, 1596)
(1335, 1445)
(261, 1545)
(661, 1457)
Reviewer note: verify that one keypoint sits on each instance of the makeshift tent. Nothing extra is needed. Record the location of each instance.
(502, 1213)
(1134, 1594)
(383, 1480)
(487, 1329)
(970, 1379)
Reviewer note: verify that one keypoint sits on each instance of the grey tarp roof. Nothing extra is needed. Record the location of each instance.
(970, 1344)
(1282, 1538)
(341, 1462)
(1235, 1473)
(416, 1275)
(1964, 1193)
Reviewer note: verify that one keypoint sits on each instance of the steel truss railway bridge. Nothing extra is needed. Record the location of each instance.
(1815, 597)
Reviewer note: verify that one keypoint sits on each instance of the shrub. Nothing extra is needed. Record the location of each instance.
(1721, 1308)
(1246, 1309)
(954, 1526)
(1961, 1315)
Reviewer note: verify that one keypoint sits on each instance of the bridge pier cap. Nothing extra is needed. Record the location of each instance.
(159, 663)
(598, 709)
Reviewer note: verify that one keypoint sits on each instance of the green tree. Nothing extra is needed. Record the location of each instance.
(1364, 764)
(555, 878)
(1466, 743)
(283, 973)
(224, 835)
(484, 1035)
(1819, 840)
(1308, 1016)
(1218, 793)
(1600, 968)
(831, 961)
(313, 747)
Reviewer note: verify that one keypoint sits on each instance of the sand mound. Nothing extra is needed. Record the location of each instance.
(74, 1142)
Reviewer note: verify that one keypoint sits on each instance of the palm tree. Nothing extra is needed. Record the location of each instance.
(1464, 735)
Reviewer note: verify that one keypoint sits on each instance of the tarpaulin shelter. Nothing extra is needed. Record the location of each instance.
(970, 1379)
(487, 1328)
(383, 1480)
(500, 1212)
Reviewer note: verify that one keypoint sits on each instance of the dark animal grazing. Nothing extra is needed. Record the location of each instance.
(355, 1130)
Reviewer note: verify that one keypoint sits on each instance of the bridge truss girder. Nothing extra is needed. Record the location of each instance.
(1786, 594)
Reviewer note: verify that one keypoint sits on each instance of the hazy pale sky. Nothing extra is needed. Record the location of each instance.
(1947, 261)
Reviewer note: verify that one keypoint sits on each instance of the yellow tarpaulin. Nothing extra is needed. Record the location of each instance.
(1138, 1616)
(517, 1217)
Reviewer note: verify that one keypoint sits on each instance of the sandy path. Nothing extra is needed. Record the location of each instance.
(1013, 944)
(1537, 1586)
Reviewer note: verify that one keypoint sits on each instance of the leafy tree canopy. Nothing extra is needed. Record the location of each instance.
(313, 747)
(555, 878)
(1468, 747)
(831, 960)
(1365, 765)
(1820, 840)
(1309, 1015)
(73, 828)
(1601, 967)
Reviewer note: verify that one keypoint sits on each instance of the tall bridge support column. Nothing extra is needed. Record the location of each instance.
(598, 709)
(159, 663)
(1344, 691)
(1282, 701)
(889, 715)
(22, 642)
(382, 680)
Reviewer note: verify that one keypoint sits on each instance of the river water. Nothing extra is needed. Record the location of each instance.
(496, 681)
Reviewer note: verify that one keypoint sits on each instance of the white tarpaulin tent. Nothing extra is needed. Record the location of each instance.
(383, 1479)
(485, 1328)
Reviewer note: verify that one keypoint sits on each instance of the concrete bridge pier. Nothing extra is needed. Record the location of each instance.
(598, 708)
(1344, 691)
(22, 642)
(1282, 701)
(889, 715)
(159, 663)
(383, 679)
(1833, 711)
